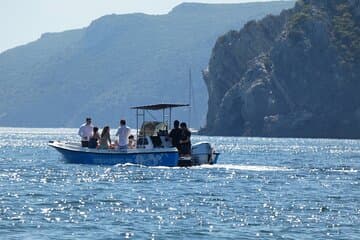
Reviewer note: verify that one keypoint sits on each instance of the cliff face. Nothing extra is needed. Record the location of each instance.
(293, 75)
(117, 62)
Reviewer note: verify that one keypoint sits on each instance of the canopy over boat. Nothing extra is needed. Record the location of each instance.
(160, 106)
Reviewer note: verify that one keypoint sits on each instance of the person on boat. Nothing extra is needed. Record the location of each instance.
(123, 132)
(185, 143)
(94, 139)
(85, 132)
(132, 142)
(175, 135)
(105, 140)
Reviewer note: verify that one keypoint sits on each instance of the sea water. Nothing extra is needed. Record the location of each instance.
(261, 188)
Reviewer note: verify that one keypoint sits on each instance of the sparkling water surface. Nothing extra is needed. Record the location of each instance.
(261, 188)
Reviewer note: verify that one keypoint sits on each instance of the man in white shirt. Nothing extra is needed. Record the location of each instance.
(85, 132)
(123, 132)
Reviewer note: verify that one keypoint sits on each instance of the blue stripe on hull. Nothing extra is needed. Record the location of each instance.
(169, 159)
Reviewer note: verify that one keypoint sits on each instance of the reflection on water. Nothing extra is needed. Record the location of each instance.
(262, 188)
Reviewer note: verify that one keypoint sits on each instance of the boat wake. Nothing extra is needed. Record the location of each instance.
(257, 168)
(344, 169)
(254, 168)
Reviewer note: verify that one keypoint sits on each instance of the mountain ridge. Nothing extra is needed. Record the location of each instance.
(118, 61)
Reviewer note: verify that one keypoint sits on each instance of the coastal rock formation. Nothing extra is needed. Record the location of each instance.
(292, 75)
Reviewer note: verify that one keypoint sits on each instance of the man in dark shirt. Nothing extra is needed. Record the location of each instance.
(175, 135)
(185, 143)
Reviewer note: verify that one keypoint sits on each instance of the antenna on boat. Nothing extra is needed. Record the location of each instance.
(190, 97)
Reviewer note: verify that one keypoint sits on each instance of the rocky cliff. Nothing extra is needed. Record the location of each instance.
(292, 75)
(117, 62)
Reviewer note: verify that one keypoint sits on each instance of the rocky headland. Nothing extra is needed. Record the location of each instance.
(292, 75)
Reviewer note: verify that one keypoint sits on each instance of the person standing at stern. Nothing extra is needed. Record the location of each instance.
(85, 132)
(185, 143)
(123, 132)
(175, 135)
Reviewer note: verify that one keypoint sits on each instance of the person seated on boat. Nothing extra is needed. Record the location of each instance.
(93, 142)
(105, 140)
(185, 143)
(123, 132)
(175, 135)
(132, 142)
(85, 132)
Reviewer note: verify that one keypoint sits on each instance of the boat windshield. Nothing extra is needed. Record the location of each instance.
(152, 128)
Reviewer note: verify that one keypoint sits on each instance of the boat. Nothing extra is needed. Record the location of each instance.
(153, 147)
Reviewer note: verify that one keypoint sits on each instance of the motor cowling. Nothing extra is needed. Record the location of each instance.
(201, 148)
(202, 152)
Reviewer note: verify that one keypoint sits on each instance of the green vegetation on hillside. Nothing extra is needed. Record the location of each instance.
(302, 82)
(347, 34)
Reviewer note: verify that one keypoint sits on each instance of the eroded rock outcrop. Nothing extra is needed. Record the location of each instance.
(293, 75)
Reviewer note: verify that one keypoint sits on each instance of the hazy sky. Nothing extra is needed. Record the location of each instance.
(23, 21)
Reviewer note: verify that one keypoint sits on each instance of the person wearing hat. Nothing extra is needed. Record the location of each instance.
(85, 132)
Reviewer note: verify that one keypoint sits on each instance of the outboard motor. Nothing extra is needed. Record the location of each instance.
(202, 153)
